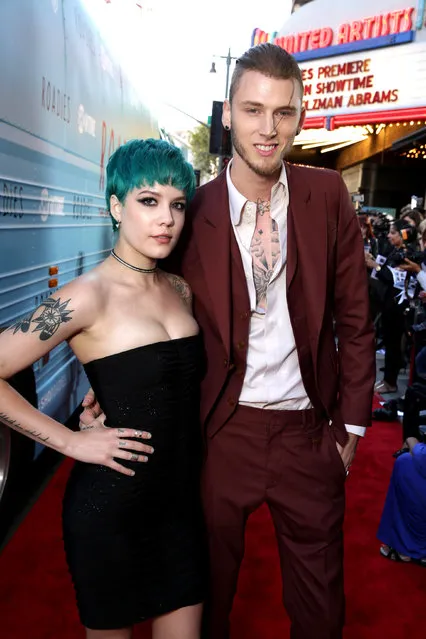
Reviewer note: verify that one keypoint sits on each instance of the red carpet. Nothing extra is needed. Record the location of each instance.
(384, 599)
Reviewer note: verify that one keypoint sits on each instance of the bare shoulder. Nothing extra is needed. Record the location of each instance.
(85, 290)
(181, 287)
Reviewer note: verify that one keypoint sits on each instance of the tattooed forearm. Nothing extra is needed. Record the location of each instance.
(17, 426)
(54, 314)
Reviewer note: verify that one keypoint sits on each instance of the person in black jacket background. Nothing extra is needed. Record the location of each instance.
(401, 236)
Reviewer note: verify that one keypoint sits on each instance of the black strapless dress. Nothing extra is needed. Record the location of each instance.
(135, 546)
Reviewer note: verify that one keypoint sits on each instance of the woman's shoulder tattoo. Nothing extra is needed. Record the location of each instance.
(181, 287)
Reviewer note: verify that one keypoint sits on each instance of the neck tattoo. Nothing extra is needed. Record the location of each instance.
(263, 206)
(134, 268)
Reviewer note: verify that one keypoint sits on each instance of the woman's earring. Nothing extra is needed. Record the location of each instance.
(227, 127)
(117, 223)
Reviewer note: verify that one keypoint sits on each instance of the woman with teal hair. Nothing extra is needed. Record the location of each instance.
(132, 518)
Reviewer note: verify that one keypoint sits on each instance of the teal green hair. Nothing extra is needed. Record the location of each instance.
(145, 163)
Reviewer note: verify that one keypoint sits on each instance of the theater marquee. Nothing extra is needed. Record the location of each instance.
(377, 26)
(360, 82)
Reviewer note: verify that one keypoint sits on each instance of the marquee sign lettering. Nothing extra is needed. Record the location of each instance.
(373, 27)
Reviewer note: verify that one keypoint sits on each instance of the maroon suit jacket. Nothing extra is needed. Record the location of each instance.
(326, 290)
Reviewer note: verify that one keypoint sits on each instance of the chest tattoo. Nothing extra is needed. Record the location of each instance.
(265, 250)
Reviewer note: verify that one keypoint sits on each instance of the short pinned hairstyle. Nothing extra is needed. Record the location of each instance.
(269, 59)
(145, 163)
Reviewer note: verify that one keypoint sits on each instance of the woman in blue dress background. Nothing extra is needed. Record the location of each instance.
(403, 525)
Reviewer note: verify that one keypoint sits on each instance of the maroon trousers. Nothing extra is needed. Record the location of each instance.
(289, 460)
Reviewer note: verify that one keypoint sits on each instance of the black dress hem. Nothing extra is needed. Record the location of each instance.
(165, 609)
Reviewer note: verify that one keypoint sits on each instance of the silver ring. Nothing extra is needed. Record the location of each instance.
(122, 443)
(134, 457)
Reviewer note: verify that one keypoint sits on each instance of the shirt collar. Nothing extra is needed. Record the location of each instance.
(237, 201)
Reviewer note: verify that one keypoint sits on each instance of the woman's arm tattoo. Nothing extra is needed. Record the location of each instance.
(14, 424)
(54, 314)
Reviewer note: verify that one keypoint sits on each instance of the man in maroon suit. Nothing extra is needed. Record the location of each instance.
(273, 255)
(275, 260)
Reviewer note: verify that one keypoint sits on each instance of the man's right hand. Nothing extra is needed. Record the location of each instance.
(92, 415)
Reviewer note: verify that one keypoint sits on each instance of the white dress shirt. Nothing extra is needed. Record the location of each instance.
(272, 379)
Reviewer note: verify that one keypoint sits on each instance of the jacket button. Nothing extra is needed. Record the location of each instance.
(225, 363)
(244, 316)
(231, 401)
(241, 345)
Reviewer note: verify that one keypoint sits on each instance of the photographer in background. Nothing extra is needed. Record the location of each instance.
(414, 216)
(370, 246)
(395, 294)
(415, 396)
(370, 242)
(415, 268)
(414, 403)
(381, 226)
(402, 529)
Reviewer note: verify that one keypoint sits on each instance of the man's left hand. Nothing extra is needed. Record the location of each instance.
(348, 452)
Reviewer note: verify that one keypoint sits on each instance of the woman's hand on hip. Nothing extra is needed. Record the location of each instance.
(103, 446)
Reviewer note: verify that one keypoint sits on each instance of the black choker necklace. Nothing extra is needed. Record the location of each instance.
(134, 268)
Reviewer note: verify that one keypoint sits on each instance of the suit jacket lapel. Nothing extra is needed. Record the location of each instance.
(291, 247)
(214, 225)
(307, 252)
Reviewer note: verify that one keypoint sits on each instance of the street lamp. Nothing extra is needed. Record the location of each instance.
(219, 133)
(228, 59)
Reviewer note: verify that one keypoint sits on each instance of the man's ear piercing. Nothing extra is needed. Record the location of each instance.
(227, 127)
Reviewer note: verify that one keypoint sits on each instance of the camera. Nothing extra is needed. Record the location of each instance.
(398, 256)
(381, 225)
